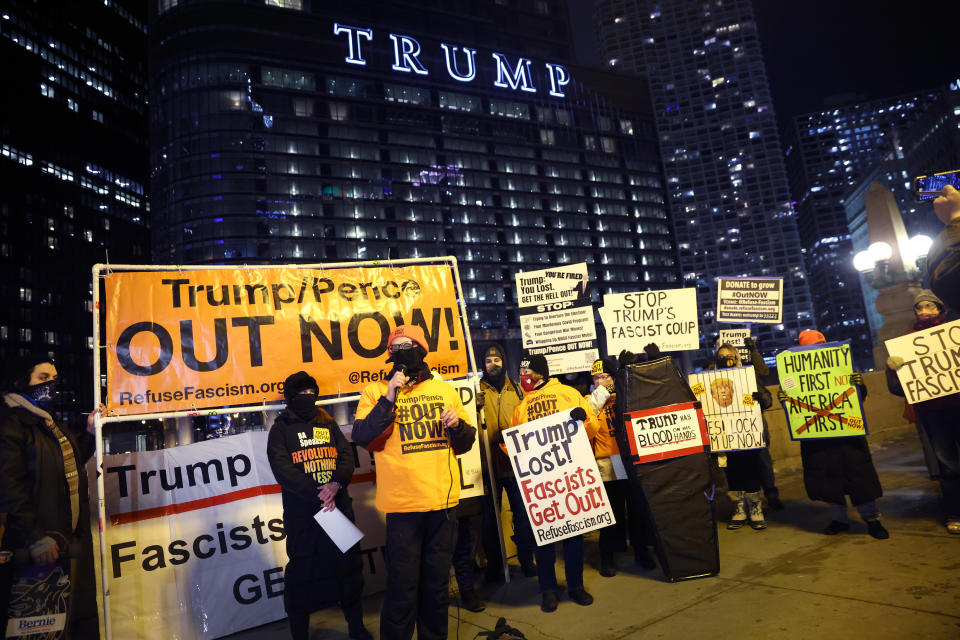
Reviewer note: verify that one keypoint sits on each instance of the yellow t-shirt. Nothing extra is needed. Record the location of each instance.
(605, 444)
(417, 469)
(551, 398)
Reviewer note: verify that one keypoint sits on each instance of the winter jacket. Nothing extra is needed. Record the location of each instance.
(605, 444)
(943, 265)
(498, 408)
(304, 455)
(551, 398)
(414, 454)
(34, 491)
(835, 467)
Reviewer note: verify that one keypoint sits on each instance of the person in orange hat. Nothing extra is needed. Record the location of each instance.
(834, 468)
(415, 424)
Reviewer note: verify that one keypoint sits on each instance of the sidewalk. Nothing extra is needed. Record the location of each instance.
(789, 581)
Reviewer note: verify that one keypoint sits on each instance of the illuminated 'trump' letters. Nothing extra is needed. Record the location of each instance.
(461, 62)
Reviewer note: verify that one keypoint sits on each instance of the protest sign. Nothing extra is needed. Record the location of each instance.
(471, 471)
(735, 338)
(931, 362)
(823, 403)
(556, 317)
(668, 319)
(733, 417)
(221, 337)
(196, 541)
(666, 432)
(749, 300)
(558, 476)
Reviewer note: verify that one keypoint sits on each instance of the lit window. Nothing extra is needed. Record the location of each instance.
(72, 105)
(286, 4)
(46, 91)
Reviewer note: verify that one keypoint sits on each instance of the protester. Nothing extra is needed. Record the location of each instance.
(43, 487)
(767, 477)
(627, 513)
(318, 574)
(834, 468)
(415, 424)
(939, 417)
(744, 469)
(499, 396)
(541, 391)
(943, 260)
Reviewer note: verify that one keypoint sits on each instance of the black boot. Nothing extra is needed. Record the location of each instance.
(608, 565)
(471, 602)
(354, 615)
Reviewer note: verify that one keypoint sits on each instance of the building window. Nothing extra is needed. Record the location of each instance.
(338, 111)
(303, 107)
(72, 105)
(26, 335)
(626, 127)
(97, 116)
(288, 79)
(509, 109)
(46, 91)
(346, 87)
(26, 294)
(286, 4)
(547, 136)
(609, 146)
(459, 102)
(52, 242)
(406, 95)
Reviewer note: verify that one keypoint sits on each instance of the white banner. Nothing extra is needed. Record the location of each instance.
(733, 417)
(661, 433)
(556, 317)
(471, 470)
(558, 476)
(195, 538)
(749, 300)
(931, 362)
(735, 338)
(668, 319)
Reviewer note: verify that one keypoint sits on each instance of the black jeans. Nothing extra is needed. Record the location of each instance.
(419, 552)
(628, 520)
(943, 430)
(463, 562)
(572, 564)
(522, 532)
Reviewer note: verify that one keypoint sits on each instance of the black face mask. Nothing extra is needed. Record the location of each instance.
(42, 394)
(726, 363)
(303, 405)
(494, 371)
(409, 359)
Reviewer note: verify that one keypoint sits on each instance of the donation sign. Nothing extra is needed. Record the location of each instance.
(558, 476)
(823, 403)
(196, 542)
(735, 338)
(556, 317)
(749, 300)
(668, 319)
(733, 417)
(471, 471)
(931, 362)
(672, 431)
(213, 338)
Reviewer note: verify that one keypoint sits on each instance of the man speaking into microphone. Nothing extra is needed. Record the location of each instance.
(415, 424)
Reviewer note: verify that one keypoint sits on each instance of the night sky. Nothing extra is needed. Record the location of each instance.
(820, 48)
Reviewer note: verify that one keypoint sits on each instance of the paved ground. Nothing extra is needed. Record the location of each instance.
(789, 581)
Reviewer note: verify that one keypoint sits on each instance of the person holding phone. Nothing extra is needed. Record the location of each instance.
(943, 260)
(313, 464)
(415, 424)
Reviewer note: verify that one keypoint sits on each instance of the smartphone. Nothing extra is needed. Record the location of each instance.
(928, 187)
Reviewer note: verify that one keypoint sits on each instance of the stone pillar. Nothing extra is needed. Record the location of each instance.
(895, 303)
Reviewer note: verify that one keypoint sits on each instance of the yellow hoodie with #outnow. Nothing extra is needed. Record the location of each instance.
(605, 444)
(415, 463)
(554, 397)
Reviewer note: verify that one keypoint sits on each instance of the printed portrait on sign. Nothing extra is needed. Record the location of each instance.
(722, 391)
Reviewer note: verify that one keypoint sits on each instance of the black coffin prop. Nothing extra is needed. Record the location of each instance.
(678, 492)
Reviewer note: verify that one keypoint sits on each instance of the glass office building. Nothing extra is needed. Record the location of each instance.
(725, 175)
(314, 132)
(73, 173)
(830, 151)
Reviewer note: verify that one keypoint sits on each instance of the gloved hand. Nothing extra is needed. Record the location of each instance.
(856, 378)
(894, 363)
(577, 413)
(44, 550)
(652, 351)
(756, 396)
(782, 396)
(626, 357)
(480, 399)
(749, 343)
(598, 398)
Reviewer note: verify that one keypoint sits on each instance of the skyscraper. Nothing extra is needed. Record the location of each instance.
(74, 170)
(726, 180)
(829, 152)
(371, 131)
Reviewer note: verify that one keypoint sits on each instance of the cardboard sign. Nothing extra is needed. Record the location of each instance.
(666, 432)
(556, 317)
(668, 319)
(214, 338)
(931, 362)
(823, 403)
(734, 419)
(471, 470)
(749, 300)
(735, 338)
(558, 476)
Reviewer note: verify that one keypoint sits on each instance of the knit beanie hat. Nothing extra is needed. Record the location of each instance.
(535, 362)
(926, 295)
(604, 365)
(412, 331)
(297, 382)
(810, 336)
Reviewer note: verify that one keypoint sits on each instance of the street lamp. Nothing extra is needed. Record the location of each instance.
(874, 262)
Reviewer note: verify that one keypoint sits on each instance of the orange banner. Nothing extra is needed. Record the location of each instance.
(183, 340)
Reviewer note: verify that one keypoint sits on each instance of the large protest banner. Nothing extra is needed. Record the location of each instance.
(734, 419)
(823, 403)
(209, 338)
(931, 362)
(748, 300)
(195, 538)
(556, 317)
(559, 480)
(666, 432)
(735, 338)
(668, 319)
